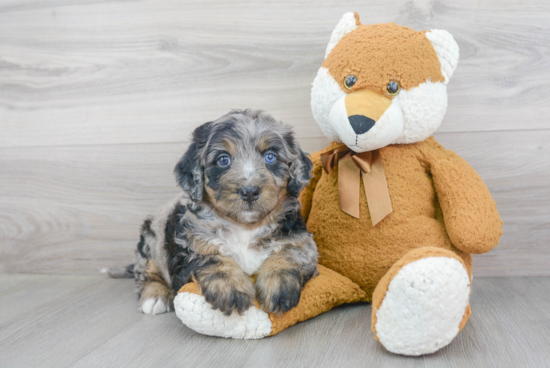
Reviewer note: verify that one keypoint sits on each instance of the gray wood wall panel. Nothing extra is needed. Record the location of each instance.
(77, 209)
(96, 72)
(97, 100)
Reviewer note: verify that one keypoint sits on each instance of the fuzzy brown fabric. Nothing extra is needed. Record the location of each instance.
(366, 51)
(322, 293)
(419, 176)
(440, 204)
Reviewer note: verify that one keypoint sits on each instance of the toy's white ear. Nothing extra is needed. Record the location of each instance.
(446, 49)
(344, 26)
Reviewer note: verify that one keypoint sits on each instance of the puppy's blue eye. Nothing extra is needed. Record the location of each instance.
(224, 160)
(270, 158)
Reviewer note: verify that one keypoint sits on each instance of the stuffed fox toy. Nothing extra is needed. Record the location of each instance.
(395, 216)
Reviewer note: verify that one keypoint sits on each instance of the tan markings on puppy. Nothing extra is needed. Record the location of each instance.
(363, 53)
(215, 234)
(282, 276)
(153, 272)
(266, 141)
(275, 215)
(205, 247)
(157, 290)
(229, 147)
(246, 170)
(227, 199)
(278, 284)
(263, 144)
(155, 296)
(225, 285)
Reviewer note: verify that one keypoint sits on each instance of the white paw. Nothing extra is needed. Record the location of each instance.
(154, 306)
(199, 316)
(423, 306)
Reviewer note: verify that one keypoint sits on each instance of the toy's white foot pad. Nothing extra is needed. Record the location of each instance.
(423, 306)
(199, 316)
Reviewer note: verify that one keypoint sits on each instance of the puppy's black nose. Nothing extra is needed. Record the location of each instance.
(249, 194)
(361, 124)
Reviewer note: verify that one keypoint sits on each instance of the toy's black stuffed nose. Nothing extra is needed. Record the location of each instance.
(361, 124)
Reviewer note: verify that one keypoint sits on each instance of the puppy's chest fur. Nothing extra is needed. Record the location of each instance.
(248, 247)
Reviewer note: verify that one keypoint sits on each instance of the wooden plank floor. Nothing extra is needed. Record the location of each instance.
(92, 321)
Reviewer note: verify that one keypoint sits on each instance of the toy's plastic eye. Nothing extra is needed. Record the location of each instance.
(224, 160)
(393, 88)
(270, 158)
(350, 81)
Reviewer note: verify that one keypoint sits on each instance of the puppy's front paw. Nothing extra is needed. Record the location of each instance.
(227, 294)
(279, 291)
(154, 305)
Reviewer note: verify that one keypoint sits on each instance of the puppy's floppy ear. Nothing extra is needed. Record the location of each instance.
(189, 170)
(300, 168)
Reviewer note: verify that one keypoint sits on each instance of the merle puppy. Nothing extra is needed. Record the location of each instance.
(238, 216)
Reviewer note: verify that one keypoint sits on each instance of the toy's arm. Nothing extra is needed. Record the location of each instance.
(469, 211)
(306, 195)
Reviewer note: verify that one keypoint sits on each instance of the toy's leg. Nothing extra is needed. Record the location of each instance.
(322, 293)
(421, 303)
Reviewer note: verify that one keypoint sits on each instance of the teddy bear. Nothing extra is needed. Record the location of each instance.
(395, 215)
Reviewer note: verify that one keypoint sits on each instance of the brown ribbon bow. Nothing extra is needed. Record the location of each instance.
(350, 165)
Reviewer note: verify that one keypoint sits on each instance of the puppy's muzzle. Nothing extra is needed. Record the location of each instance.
(250, 194)
(364, 108)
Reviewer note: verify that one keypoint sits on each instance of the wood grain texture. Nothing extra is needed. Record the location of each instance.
(105, 72)
(98, 99)
(78, 209)
(97, 325)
